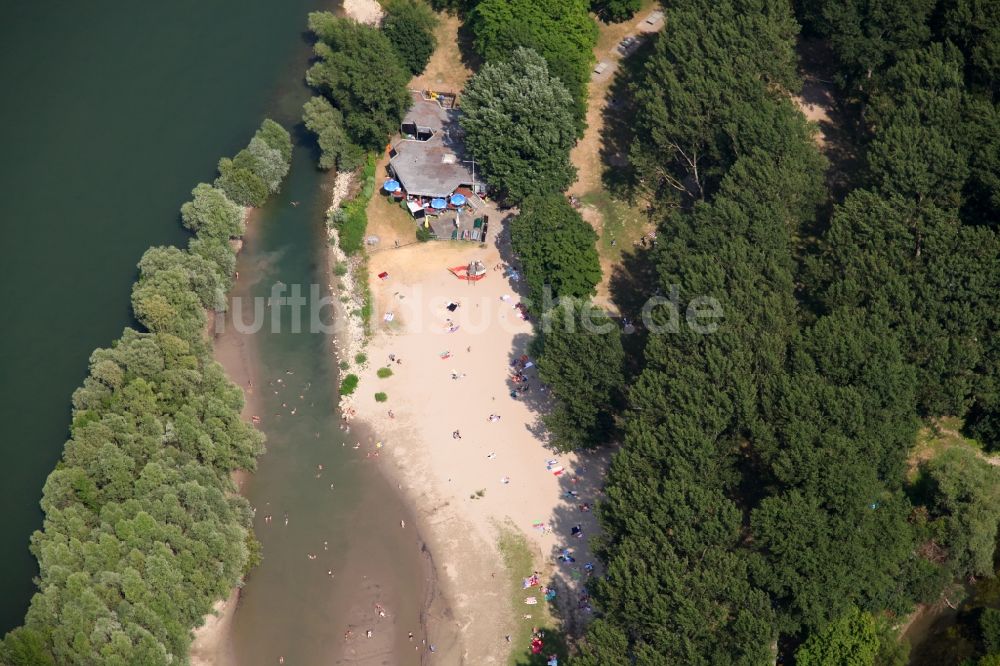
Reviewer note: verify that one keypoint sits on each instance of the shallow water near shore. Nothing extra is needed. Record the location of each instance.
(342, 557)
(342, 515)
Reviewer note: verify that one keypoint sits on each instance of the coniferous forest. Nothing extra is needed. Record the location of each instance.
(772, 497)
(766, 503)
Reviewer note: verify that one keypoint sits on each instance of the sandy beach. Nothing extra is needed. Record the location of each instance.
(363, 11)
(470, 477)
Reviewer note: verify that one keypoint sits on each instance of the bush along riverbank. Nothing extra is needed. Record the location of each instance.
(361, 83)
(347, 221)
(143, 529)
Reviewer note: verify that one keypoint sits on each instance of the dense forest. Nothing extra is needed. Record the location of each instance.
(760, 506)
(143, 527)
(764, 503)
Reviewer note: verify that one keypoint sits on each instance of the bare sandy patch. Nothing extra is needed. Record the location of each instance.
(469, 476)
(363, 11)
(445, 71)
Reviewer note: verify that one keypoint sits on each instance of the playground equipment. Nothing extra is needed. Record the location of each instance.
(473, 272)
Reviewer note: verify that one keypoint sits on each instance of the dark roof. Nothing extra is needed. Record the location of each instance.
(429, 114)
(432, 168)
(429, 168)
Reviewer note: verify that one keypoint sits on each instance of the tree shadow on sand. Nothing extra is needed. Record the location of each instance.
(619, 114)
(570, 557)
(634, 280)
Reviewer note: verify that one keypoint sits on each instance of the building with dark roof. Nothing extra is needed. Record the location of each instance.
(429, 159)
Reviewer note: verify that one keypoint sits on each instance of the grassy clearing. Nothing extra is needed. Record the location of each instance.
(388, 220)
(623, 223)
(521, 561)
(937, 436)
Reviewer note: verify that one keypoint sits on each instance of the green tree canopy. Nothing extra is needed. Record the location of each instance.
(851, 640)
(580, 358)
(409, 25)
(700, 99)
(975, 26)
(561, 31)
(359, 72)
(866, 35)
(337, 151)
(519, 126)
(143, 528)
(557, 251)
(276, 137)
(256, 172)
(211, 214)
(615, 11)
(965, 496)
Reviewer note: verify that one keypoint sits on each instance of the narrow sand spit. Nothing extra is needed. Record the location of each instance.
(447, 380)
(211, 640)
(363, 11)
(211, 645)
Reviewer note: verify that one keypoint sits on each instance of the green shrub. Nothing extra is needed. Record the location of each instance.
(352, 218)
(360, 358)
(349, 384)
(340, 270)
(343, 365)
(423, 234)
(381, 397)
(367, 305)
(352, 229)
(384, 373)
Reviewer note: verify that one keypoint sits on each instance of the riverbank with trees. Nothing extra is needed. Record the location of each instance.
(143, 529)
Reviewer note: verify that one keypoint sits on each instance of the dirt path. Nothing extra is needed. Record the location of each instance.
(587, 154)
(820, 104)
(445, 71)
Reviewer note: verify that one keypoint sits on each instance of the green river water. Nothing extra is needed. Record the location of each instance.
(112, 112)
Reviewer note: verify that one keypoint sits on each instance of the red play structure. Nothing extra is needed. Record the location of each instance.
(473, 272)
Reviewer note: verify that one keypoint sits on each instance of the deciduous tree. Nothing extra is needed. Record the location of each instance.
(561, 31)
(359, 72)
(518, 121)
(557, 250)
(409, 25)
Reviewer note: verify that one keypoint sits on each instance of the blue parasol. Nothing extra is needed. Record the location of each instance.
(391, 186)
(458, 200)
(440, 204)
